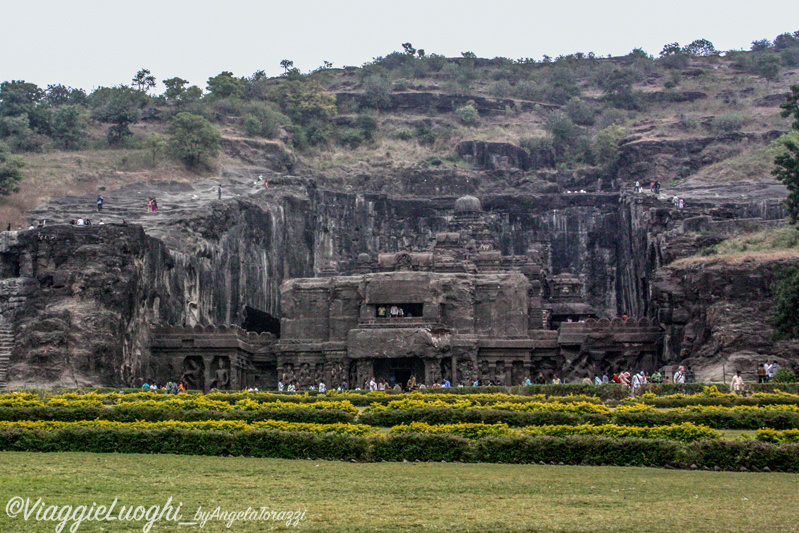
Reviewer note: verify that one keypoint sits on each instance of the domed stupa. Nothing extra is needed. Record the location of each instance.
(468, 205)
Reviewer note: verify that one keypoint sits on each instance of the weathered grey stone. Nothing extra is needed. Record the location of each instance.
(82, 302)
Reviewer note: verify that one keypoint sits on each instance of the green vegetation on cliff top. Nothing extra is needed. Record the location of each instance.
(570, 113)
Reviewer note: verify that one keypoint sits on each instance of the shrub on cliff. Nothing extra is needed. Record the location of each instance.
(193, 140)
(10, 173)
(262, 120)
(787, 161)
(377, 92)
(467, 114)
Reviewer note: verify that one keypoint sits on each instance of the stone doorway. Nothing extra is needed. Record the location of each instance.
(399, 370)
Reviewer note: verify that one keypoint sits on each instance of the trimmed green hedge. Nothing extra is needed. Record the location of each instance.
(667, 403)
(409, 447)
(421, 447)
(579, 450)
(256, 443)
(764, 418)
(715, 419)
(132, 413)
(396, 417)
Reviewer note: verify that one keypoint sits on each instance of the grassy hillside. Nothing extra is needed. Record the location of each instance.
(403, 110)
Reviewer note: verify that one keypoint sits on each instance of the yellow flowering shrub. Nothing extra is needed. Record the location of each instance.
(635, 408)
(20, 399)
(65, 402)
(777, 394)
(470, 431)
(571, 407)
(686, 432)
(343, 429)
(343, 405)
(773, 435)
(408, 403)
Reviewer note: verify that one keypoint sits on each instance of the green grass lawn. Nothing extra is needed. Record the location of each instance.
(397, 497)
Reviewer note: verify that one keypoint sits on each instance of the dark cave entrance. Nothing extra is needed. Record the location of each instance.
(399, 370)
(260, 322)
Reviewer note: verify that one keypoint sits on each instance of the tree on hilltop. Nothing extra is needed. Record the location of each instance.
(761, 45)
(670, 49)
(700, 48)
(143, 80)
(786, 40)
(177, 92)
(18, 97)
(224, 85)
(58, 95)
(175, 88)
(68, 126)
(119, 106)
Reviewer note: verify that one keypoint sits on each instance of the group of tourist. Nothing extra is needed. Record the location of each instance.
(371, 384)
(170, 388)
(654, 187)
(765, 372)
(392, 312)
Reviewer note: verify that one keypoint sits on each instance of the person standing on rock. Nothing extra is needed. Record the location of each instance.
(99, 203)
(219, 191)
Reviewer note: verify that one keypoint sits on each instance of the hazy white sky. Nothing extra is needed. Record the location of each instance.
(90, 43)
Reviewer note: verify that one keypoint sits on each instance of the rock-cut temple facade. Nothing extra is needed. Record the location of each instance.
(460, 311)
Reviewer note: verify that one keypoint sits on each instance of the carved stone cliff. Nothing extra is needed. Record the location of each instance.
(81, 301)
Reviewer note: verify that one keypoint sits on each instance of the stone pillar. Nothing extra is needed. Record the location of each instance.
(236, 373)
(454, 377)
(430, 372)
(365, 372)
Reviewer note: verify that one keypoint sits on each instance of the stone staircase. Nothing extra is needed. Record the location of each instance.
(6, 345)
